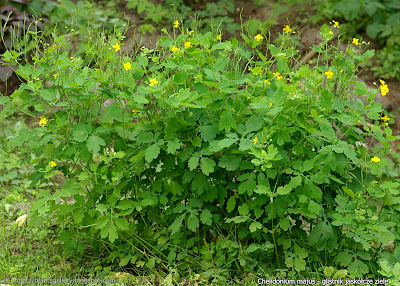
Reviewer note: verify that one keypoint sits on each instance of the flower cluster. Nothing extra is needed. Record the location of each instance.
(187, 45)
(375, 159)
(329, 74)
(153, 81)
(336, 24)
(175, 49)
(277, 75)
(287, 29)
(258, 37)
(116, 47)
(127, 66)
(43, 121)
(384, 88)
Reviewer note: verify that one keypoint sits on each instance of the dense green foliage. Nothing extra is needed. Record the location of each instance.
(210, 156)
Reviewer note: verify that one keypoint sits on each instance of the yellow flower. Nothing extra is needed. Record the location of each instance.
(219, 37)
(174, 49)
(277, 75)
(258, 37)
(384, 88)
(270, 104)
(55, 75)
(355, 41)
(329, 74)
(18, 197)
(375, 159)
(255, 140)
(43, 121)
(134, 111)
(287, 29)
(187, 45)
(54, 46)
(267, 81)
(153, 81)
(53, 164)
(336, 24)
(127, 66)
(116, 47)
(176, 24)
(385, 118)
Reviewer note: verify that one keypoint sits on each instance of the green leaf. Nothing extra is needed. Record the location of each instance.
(171, 256)
(79, 133)
(295, 182)
(263, 190)
(193, 162)
(243, 209)
(314, 207)
(68, 189)
(180, 77)
(172, 146)
(121, 224)
(140, 99)
(176, 225)
(344, 258)
(220, 63)
(254, 123)
(125, 204)
(101, 208)
(230, 205)
(207, 165)
(206, 217)
(245, 144)
(237, 219)
(208, 133)
(255, 225)
(358, 268)
(152, 153)
(308, 164)
(361, 89)
(230, 163)
(227, 121)
(7, 56)
(200, 184)
(284, 190)
(284, 224)
(299, 264)
(94, 142)
(193, 222)
(225, 143)
(125, 260)
(321, 235)
(109, 230)
(247, 186)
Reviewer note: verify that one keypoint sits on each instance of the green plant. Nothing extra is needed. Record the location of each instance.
(209, 156)
(377, 18)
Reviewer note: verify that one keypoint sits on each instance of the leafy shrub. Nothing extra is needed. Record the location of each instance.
(210, 156)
